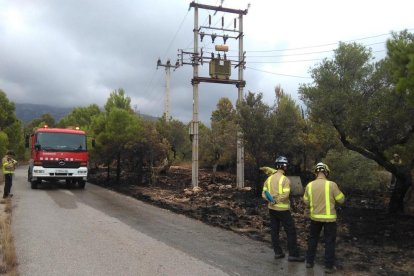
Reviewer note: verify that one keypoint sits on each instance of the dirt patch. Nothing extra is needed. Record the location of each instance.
(369, 242)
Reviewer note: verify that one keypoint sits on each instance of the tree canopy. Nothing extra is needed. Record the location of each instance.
(11, 128)
(80, 116)
(401, 59)
(359, 98)
(118, 99)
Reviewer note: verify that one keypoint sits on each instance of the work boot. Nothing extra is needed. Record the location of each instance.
(309, 265)
(329, 269)
(296, 259)
(280, 256)
(10, 195)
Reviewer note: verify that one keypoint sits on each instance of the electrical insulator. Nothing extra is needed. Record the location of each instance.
(209, 20)
(213, 37)
(225, 37)
(202, 36)
(222, 21)
(235, 23)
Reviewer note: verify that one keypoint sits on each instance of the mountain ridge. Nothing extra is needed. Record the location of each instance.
(26, 112)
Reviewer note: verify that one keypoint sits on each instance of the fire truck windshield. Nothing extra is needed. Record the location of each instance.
(50, 141)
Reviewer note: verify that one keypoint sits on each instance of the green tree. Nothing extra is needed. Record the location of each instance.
(356, 98)
(224, 134)
(207, 151)
(118, 99)
(176, 134)
(4, 143)
(80, 116)
(254, 121)
(287, 127)
(7, 111)
(146, 150)
(16, 138)
(319, 140)
(347, 166)
(11, 126)
(401, 59)
(114, 131)
(45, 119)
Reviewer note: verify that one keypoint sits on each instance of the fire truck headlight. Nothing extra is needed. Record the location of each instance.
(82, 172)
(39, 171)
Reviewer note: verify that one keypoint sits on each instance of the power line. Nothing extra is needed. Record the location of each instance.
(175, 35)
(286, 61)
(273, 73)
(322, 45)
(306, 53)
(149, 84)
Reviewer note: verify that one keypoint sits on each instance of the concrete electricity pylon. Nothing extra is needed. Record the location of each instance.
(168, 67)
(220, 71)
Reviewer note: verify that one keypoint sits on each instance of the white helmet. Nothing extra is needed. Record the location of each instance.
(321, 167)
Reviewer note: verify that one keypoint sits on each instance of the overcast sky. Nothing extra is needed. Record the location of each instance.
(72, 53)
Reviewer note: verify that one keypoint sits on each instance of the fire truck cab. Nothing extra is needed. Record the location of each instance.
(58, 154)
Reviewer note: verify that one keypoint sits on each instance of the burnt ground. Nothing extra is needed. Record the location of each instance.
(369, 241)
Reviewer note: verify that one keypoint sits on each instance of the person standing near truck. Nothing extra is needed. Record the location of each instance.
(8, 166)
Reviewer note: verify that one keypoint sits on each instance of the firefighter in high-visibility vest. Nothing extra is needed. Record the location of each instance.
(8, 167)
(276, 190)
(321, 195)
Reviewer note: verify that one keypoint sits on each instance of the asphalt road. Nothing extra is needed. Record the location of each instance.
(99, 232)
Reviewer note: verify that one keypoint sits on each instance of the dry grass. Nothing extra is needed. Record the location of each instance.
(8, 259)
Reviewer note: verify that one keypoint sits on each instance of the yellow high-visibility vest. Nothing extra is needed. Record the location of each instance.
(280, 190)
(322, 205)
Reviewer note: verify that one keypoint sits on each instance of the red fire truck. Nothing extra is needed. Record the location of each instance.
(58, 154)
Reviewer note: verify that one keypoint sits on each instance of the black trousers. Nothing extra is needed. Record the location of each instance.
(285, 218)
(329, 232)
(7, 184)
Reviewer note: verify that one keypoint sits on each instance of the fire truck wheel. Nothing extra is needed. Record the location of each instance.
(81, 184)
(34, 184)
(69, 183)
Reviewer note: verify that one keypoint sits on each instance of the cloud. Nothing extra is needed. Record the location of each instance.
(74, 53)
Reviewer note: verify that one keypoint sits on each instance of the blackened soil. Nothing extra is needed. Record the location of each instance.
(369, 240)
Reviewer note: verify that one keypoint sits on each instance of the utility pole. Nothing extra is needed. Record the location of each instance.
(168, 67)
(240, 86)
(194, 123)
(220, 71)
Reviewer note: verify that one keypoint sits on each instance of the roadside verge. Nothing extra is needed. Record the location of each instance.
(8, 259)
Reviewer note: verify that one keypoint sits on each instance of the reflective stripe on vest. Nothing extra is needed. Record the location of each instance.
(310, 199)
(339, 197)
(281, 191)
(328, 214)
(267, 186)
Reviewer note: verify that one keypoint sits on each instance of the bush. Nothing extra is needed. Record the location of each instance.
(350, 170)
